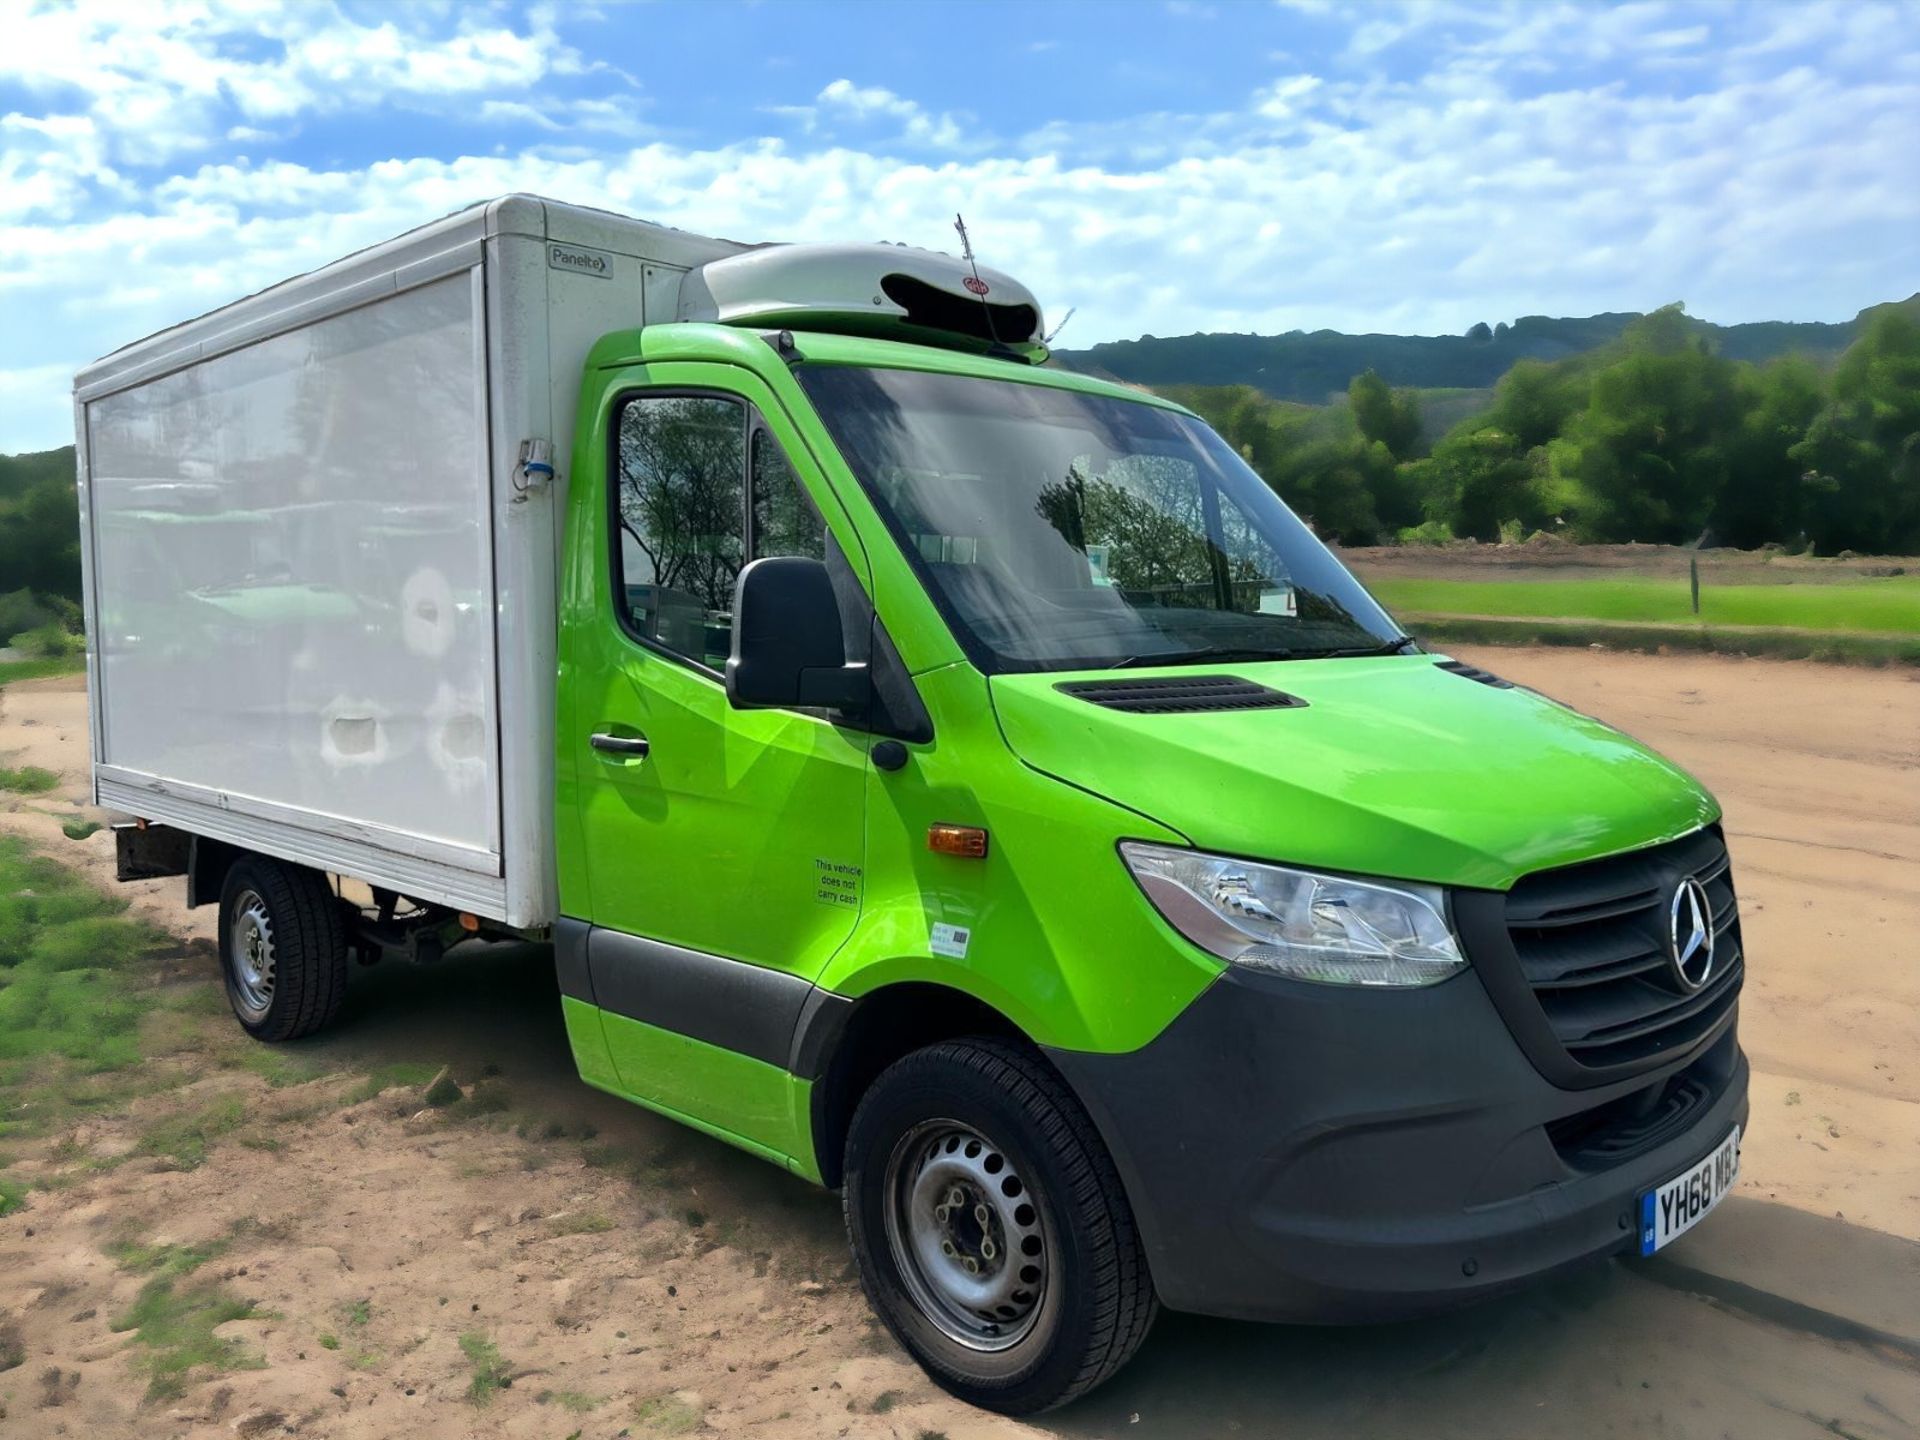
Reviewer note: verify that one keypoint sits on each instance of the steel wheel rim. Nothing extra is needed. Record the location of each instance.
(966, 1232)
(250, 964)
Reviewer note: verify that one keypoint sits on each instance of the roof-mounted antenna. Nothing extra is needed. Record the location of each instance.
(977, 285)
(1071, 312)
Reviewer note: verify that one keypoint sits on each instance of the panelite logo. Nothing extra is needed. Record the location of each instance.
(583, 262)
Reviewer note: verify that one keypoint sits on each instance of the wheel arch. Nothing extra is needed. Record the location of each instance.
(207, 864)
(842, 1045)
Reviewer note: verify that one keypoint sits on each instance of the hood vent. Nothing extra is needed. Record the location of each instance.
(1180, 694)
(1474, 672)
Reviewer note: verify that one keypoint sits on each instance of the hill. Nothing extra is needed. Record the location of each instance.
(21, 473)
(1314, 367)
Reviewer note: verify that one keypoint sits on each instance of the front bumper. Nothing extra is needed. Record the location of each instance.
(1312, 1153)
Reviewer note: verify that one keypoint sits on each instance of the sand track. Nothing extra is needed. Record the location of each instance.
(646, 1280)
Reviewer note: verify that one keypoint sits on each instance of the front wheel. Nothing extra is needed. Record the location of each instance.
(991, 1230)
(283, 948)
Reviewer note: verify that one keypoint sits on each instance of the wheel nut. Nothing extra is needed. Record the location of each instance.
(971, 1265)
(940, 1213)
(946, 1249)
(955, 1198)
(987, 1250)
(983, 1215)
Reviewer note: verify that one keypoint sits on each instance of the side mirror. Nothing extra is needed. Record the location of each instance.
(788, 648)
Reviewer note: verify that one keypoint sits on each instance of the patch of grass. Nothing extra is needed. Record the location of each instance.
(27, 779)
(278, 1230)
(77, 828)
(442, 1093)
(175, 1324)
(1836, 649)
(184, 1139)
(491, 1374)
(13, 1346)
(667, 1414)
(576, 1401)
(329, 1341)
(1887, 605)
(38, 668)
(586, 1222)
(484, 1099)
(358, 1312)
(69, 1008)
(279, 1068)
(13, 1195)
(392, 1076)
(163, 1262)
(886, 1400)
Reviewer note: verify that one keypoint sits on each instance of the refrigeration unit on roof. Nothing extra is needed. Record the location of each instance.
(891, 291)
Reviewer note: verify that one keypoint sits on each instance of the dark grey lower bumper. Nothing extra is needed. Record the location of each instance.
(1302, 1152)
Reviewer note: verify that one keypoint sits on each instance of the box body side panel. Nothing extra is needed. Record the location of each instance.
(291, 547)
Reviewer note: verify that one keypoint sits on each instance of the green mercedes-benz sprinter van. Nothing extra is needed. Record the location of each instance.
(970, 787)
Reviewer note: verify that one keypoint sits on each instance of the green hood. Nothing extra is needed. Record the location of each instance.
(1393, 767)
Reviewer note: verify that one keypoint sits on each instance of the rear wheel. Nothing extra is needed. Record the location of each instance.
(283, 948)
(991, 1230)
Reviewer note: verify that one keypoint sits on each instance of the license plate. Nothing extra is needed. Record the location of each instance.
(1668, 1211)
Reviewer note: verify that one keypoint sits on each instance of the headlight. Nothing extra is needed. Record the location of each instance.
(1297, 923)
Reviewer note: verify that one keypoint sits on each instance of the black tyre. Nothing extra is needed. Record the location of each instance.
(283, 948)
(991, 1230)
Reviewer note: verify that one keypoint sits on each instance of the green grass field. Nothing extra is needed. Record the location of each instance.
(1883, 606)
(36, 669)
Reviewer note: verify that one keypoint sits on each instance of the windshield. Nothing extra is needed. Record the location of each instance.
(1059, 530)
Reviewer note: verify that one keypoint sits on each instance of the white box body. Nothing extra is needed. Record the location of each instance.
(320, 598)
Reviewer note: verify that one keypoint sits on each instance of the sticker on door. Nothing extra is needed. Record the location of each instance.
(835, 883)
(951, 941)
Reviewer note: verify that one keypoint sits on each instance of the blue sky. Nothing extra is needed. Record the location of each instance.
(1164, 167)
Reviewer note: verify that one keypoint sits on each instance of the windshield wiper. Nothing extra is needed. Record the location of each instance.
(1390, 647)
(1224, 653)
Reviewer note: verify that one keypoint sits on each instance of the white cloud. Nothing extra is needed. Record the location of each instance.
(1525, 164)
(155, 74)
(871, 102)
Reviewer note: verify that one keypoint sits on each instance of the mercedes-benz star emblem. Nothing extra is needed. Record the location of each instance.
(1690, 934)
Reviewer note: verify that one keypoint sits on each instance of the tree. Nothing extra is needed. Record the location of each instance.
(1534, 400)
(39, 525)
(1649, 456)
(1388, 417)
(1479, 478)
(1764, 499)
(1862, 452)
(1479, 334)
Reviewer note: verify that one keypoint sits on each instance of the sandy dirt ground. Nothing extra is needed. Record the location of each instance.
(639, 1279)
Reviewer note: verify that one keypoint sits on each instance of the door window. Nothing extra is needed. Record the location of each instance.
(690, 471)
(784, 520)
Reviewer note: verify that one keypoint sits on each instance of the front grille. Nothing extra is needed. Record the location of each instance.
(1592, 944)
(1633, 1125)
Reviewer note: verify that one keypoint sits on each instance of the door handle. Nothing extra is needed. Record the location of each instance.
(632, 747)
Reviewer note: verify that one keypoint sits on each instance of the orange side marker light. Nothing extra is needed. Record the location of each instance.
(967, 842)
